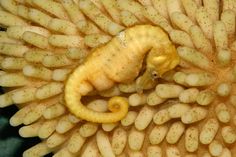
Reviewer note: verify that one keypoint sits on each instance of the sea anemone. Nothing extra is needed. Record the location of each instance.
(190, 111)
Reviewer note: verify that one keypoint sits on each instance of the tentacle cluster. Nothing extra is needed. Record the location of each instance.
(190, 111)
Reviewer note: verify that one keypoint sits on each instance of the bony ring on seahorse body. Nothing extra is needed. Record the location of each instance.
(119, 61)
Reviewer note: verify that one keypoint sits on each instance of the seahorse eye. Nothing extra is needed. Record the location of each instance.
(155, 75)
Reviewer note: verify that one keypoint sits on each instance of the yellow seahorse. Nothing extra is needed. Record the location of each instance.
(119, 61)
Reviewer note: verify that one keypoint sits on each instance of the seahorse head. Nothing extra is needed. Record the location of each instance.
(162, 59)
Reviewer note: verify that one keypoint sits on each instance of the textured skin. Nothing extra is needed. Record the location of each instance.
(118, 61)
